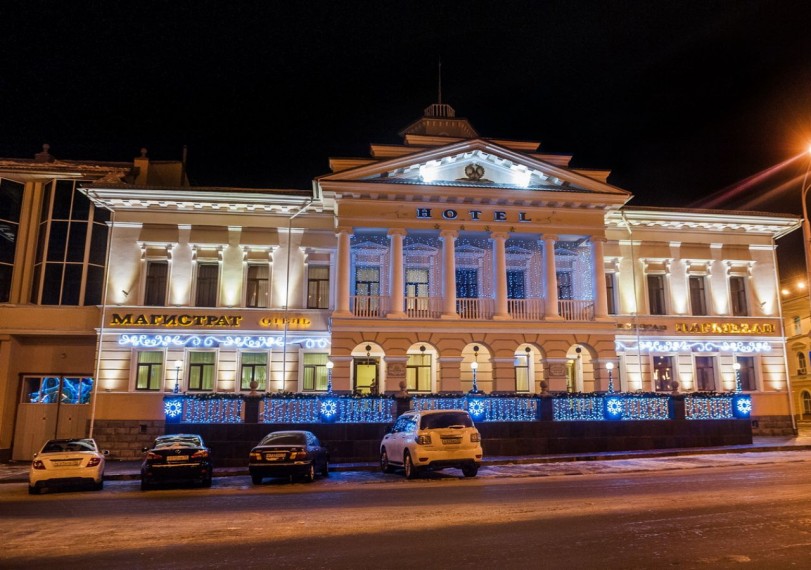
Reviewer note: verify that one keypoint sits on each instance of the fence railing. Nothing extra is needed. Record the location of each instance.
(576, 310)
(526, 309)
(339, 408)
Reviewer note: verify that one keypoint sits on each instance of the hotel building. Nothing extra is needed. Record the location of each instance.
(443, 264)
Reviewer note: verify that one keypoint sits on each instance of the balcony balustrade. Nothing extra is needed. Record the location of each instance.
(576, 310)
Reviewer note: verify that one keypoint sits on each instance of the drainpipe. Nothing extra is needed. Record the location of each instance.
(101, 328)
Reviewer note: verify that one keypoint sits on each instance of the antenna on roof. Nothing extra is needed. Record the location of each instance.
(439, 83)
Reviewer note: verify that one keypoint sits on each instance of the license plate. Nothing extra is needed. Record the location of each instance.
(71, 463)
(172, 458)
(278, 456)
(451, 440)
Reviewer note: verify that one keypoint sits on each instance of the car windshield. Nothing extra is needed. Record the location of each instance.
(178, 442)
(62, 446)
(285, 438)
(445, 420)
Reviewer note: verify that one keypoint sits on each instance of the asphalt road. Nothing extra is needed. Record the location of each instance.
(754, 515)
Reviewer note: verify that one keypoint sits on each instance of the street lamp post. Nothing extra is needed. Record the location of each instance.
(474, 366)
(178, 366)
(737, 366)
(330, 365)
(610, 367)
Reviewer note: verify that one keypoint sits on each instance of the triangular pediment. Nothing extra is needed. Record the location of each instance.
(477, 163)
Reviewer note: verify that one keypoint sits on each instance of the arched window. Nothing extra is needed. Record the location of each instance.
(806, 403)
(801, 369)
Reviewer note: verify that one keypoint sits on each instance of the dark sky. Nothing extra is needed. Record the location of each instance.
(679, 99)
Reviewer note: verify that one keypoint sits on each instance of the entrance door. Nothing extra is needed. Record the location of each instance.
(51, 407)
(366, 376)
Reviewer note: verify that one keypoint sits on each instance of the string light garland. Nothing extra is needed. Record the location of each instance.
(685, 346)
(224, 341)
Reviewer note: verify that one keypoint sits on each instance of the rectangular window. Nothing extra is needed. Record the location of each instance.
(663, 373)
(611, 293)
(737, 290)
(318, 287)
(155, 287)
(254, 369)
(256, 294)
(798, 327)
(201, 370)
(11, 198)
(315, 372)
(516, 285)
(656, 294)
(417, 291)
(522, 372)
(565, 287)
(149, 375)
(418, 372)
(467, 284)
(698, 298)
(207, 281)
(705, 373)
(747, 373)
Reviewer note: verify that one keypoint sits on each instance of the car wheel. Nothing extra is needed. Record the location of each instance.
(98, 486)
(408, 466)
(256, 479)
(33, 490)
(206, 482)
(309, 477)
(470, 470)
(385, 466)
(145, 485)
(325, 469)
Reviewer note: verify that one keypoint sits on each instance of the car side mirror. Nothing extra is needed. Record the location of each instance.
(105, 452)
(36, 453)
(144, 450)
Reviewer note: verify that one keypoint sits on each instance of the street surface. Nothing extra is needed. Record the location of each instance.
(751, 510)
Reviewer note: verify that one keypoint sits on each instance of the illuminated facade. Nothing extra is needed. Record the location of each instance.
(797, 323)
(446, 263)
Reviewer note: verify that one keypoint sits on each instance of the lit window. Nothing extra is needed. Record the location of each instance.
(747, 373)
(254, 369)
(663, 373)
(315, 371)
(418, 372)
(201, 370)
(149, 374)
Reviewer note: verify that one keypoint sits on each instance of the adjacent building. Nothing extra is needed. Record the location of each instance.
(447, 263)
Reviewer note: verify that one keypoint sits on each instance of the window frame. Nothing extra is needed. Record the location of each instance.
(202, 366)
(150, 366)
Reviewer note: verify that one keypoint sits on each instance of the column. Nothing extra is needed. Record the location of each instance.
(448, 238)
(600, 295)
(342, 279)
(396, 294)
(551, 278)
(500, 277)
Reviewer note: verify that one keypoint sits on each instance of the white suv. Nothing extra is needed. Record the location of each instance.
(432, 439)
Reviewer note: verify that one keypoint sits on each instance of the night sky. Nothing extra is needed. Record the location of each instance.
(681, 100)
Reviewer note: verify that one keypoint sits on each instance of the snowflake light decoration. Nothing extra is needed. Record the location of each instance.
(613, 407)
(744, 406)
(329, 408)
(172, 408)
(476, 408)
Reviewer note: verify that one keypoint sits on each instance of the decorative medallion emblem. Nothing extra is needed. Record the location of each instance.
(474, 172)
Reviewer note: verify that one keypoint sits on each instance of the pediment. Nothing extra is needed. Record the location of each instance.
(477, 163)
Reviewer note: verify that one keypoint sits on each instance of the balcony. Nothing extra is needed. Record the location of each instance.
(376, 307)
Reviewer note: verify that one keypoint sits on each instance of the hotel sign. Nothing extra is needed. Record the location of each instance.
(725, 328)
(472, 215)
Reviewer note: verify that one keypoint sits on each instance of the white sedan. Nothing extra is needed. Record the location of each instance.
(67, 462)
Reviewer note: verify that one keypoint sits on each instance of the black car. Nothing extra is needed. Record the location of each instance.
(177, 457)
(288, 453)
